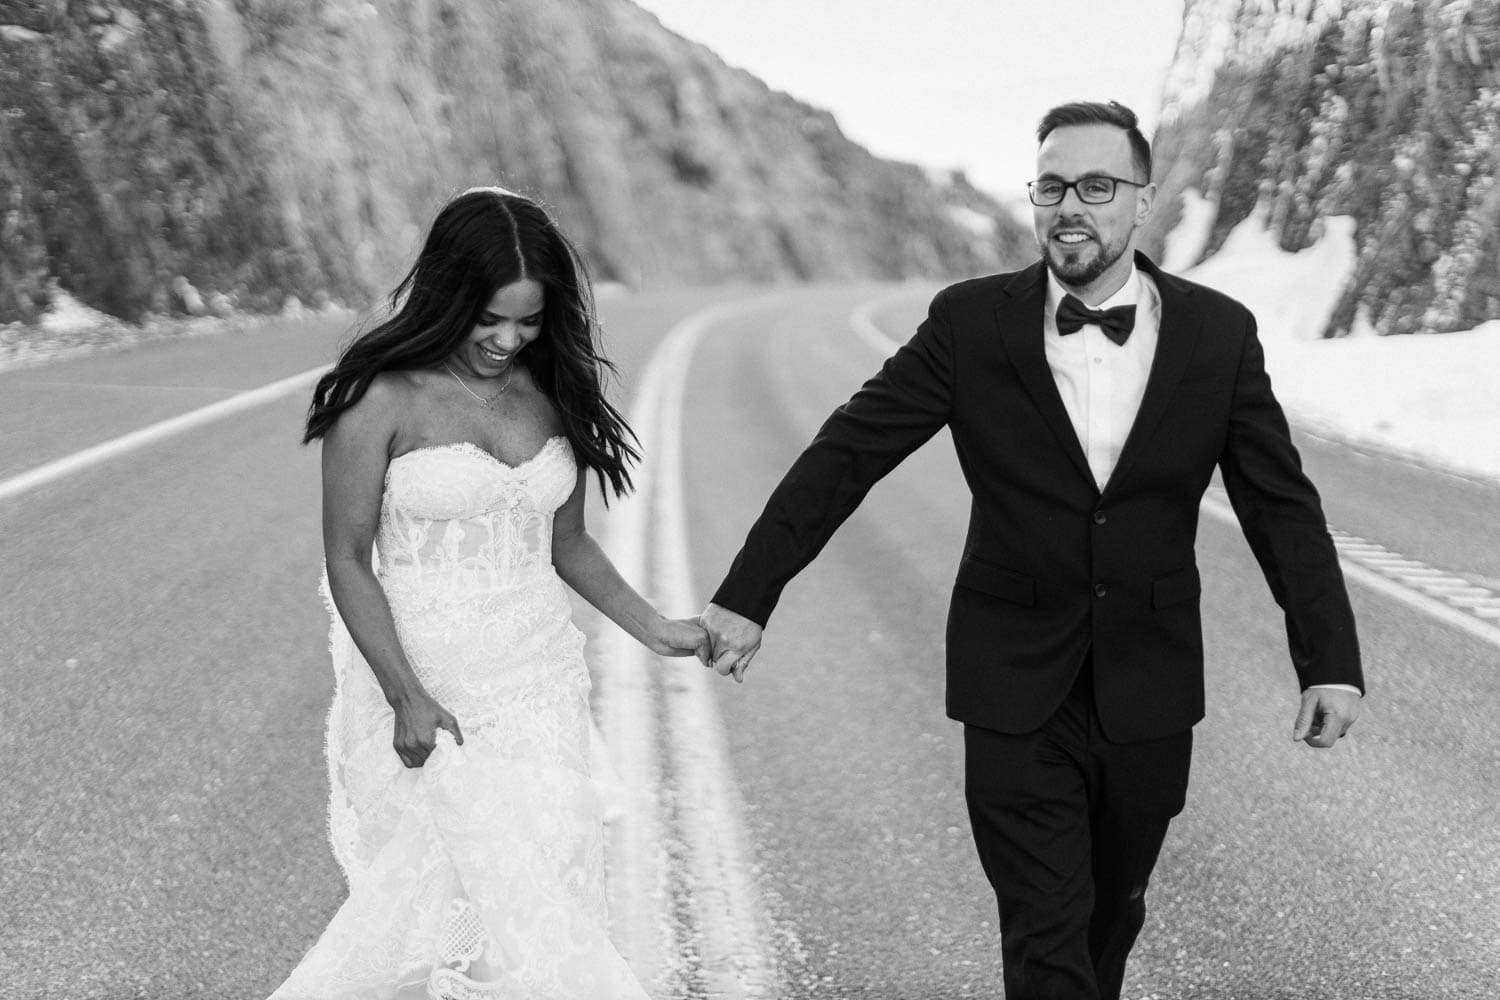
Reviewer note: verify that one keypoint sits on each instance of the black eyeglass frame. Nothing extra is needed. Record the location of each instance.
(1114, 188)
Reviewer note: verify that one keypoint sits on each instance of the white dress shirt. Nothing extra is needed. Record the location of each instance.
(1101, 382)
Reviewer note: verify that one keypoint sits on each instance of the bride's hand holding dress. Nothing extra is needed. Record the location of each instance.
(417, 723)
(355, 461)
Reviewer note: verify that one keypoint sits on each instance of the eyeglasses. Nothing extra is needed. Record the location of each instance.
(1093, 190)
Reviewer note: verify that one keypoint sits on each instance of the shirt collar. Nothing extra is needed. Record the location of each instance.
(1128, 295)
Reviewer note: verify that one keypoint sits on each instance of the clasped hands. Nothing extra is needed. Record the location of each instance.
(734, 640)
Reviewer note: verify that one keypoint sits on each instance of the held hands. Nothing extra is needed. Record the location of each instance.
(1327, 713)
(417, 723)
(735, 640)
(679, 637)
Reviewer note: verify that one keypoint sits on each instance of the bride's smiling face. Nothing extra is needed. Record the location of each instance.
(511, 320)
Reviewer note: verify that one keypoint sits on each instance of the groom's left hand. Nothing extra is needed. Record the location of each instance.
(1326, 714)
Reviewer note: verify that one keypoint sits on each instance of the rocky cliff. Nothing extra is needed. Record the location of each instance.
(1384, 110)
(190, 154)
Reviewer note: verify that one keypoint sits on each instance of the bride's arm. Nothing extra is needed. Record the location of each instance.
(356, 451)
(583, 566)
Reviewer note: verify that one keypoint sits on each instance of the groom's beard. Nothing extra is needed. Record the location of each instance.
(1080, 267)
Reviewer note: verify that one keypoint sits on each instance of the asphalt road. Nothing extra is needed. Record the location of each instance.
(161, 811)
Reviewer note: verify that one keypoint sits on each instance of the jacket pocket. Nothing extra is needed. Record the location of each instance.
(1174, 588)
(997, 581)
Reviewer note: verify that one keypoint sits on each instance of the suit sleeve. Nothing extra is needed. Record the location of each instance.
(1282, 518)
(891, 416)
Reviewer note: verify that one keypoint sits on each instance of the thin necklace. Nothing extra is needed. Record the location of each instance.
(489, 402)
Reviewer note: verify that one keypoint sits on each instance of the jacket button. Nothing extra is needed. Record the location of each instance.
(1099, 517)
(1100, 590)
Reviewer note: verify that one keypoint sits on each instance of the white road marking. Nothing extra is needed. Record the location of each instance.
(1451, 599)
(736, 935)
(127, 386)
(731, 931)
(862, 322)
(638, 861)
(60, 468)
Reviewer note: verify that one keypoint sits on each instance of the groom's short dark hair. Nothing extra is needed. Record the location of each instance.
(1097, 113)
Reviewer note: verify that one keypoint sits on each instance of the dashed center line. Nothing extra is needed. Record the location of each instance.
(1456, 592)
(1432, 591)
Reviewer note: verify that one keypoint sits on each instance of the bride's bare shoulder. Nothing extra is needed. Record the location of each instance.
(381, 410)
(394, 392)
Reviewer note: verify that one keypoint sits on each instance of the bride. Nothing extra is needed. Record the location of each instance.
(457, 437)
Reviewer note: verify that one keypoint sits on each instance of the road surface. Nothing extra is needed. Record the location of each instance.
(802, 835)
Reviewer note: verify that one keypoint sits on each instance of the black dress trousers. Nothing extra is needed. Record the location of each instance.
(1068, 827)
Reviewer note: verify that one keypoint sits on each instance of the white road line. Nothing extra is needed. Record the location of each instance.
(735, 932)
(732, 933)
(114, 448)
(128, 386)
(862, 322)
(638, 860)
(1400, 578)
(1458, 602)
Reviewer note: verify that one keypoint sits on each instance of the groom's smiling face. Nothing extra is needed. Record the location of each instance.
(1090, 247)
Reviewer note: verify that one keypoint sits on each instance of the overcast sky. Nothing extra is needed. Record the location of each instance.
(944, 83)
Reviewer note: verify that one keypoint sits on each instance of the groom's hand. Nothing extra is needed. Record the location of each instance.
(735, 639)
(1327, 713)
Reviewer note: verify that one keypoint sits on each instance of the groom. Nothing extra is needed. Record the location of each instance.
(1090, 397)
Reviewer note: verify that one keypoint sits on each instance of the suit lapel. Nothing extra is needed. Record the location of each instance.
(1176, 339)
(1019, 315)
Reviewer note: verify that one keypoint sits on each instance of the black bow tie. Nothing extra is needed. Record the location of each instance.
(1116, 323)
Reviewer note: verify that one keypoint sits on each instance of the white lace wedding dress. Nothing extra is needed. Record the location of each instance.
(480, 874)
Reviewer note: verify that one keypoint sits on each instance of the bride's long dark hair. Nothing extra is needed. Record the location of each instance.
(480, 242)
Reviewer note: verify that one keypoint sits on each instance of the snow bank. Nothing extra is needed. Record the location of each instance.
(1185, 244)
(1434, 398)
(66, 315)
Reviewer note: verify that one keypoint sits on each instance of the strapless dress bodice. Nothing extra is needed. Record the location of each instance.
(454, 514)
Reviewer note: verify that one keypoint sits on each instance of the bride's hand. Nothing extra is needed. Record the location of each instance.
(417, 723)
(680, 637)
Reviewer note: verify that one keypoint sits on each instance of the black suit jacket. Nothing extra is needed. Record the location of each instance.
(1051, 566)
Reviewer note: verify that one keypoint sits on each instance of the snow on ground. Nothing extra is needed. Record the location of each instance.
(1186, 243)
(66, 315)
(70, 329)
(1434, 398)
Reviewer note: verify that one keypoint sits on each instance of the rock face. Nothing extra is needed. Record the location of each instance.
(1384, 110)
(260, 149)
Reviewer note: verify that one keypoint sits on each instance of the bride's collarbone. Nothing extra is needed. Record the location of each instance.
(513, 430)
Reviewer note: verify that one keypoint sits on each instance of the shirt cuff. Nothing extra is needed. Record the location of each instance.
(1338, 687)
